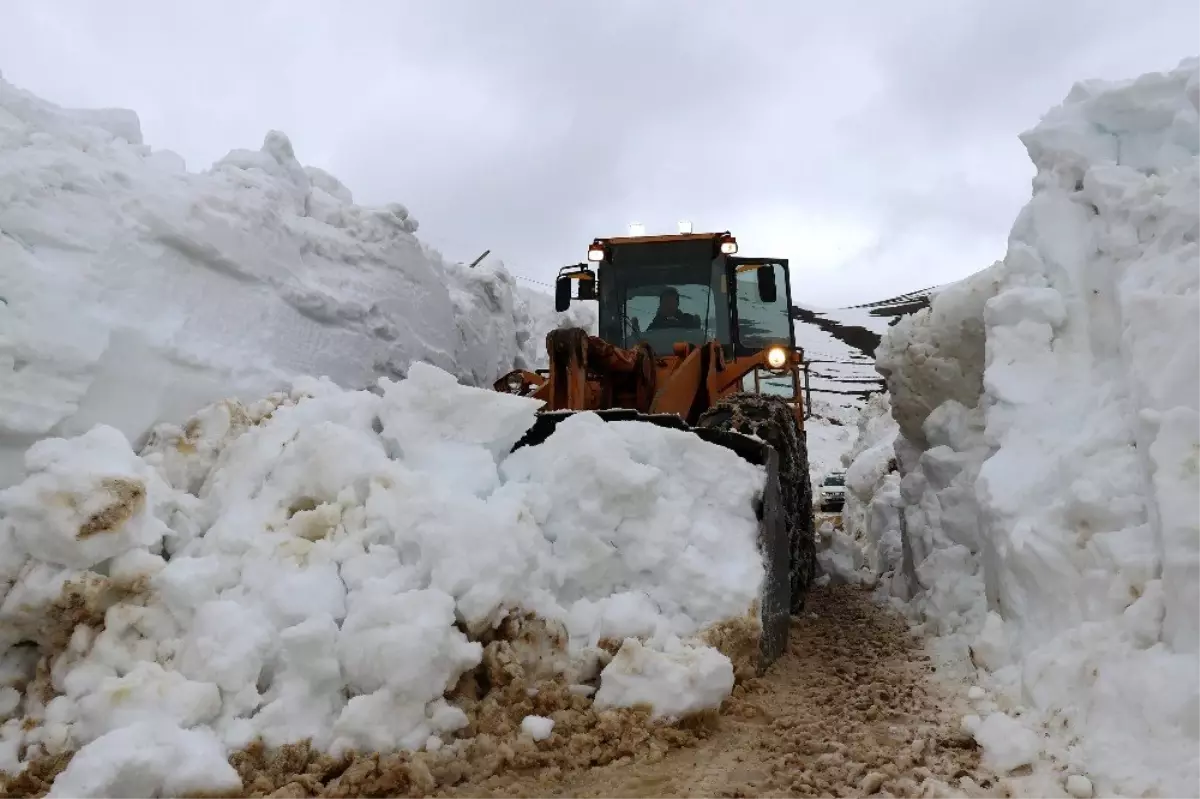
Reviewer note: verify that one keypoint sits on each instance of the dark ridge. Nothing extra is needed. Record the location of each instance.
(860, 338)
(899, 299)
(900, 310)
(862, 395)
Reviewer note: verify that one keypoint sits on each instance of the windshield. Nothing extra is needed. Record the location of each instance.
(683, 309)
(761, 324)
(835, 480)
(663, 296)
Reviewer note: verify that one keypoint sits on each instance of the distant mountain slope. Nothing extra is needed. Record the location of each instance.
(840, 344)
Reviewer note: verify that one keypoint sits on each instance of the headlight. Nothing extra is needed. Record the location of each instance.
(776, 357)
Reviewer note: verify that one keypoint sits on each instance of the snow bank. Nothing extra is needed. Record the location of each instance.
(867, 549)
(871, 516)
(328, 564)
(133, 291)
(1047, 418)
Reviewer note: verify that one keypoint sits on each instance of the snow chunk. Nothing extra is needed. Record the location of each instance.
(148, 692)
(405, 643)
(1007, 744)
(677, 681)
(148, 759)
(1079, 786)
(84, 501)
(537, 727)
(839, 556)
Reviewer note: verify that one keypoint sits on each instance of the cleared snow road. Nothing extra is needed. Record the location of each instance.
(849, 711)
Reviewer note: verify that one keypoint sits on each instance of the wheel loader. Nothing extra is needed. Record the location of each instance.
(694, 337)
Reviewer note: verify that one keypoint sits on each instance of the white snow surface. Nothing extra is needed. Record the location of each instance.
(133, 291)
(839, 367)
(674, 681)
(259, 565)
(1046, 431)
(837, 371)
(872, 512)
(537, 727)
(866, 548)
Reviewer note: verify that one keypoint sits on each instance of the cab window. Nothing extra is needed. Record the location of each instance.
(685, 309)
(761, 324)
(664, 294)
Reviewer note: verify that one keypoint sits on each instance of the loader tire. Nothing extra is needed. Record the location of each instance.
(772, 420)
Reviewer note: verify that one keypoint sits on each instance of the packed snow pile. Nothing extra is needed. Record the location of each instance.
(868, 545)
(1047, 413)
(133, 291)
(331, 564)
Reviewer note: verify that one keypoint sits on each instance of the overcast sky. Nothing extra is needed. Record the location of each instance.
(872, 143)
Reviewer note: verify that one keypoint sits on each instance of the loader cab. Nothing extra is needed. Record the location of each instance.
(683, 289)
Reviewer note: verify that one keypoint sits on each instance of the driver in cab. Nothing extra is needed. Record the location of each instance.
(669, 316)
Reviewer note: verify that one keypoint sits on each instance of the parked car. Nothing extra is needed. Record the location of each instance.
(832, 493)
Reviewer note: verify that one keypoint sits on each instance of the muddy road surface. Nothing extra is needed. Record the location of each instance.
(851, 710)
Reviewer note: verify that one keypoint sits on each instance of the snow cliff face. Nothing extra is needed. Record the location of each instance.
(133, 291)
(1048, 419)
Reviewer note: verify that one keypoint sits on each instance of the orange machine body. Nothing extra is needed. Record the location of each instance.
(587, 372)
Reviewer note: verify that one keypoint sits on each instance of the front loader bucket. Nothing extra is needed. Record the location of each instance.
(773, 546)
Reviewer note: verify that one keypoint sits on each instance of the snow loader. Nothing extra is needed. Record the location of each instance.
(694, 337)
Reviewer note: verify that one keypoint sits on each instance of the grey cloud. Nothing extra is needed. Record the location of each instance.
(874, 144)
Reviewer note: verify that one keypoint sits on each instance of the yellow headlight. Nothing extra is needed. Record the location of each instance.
(776, 357)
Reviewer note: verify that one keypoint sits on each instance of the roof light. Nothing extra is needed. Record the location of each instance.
(596, 251)
(637, 229)
(685, 226)
(728, 245)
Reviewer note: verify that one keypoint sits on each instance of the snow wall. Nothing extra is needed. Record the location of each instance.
(1041, 514)
(134, 292)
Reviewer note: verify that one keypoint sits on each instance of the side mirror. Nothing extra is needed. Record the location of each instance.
(562, 294)
(767, 291)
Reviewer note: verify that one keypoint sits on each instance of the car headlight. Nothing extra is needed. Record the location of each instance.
(776, 357)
